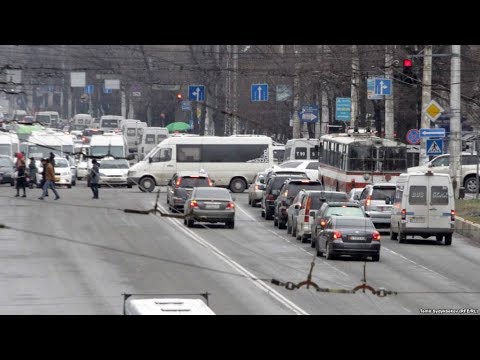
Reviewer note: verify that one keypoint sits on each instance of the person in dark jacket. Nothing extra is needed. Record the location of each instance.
(49, 181)
(94, 178)
(21, 174)
(44, 169)
(32, 173)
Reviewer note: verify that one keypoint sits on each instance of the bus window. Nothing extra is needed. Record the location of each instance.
(301, 153)
(360, 158)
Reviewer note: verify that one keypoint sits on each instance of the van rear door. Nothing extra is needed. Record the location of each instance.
(417, 215)
(439, 203)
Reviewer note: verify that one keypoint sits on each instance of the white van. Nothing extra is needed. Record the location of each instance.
(132, 130)
(82, 122)
(165, 306)
(47, 118)
(231, 161)
(9, 144)
(151, 137)
(110, 122)
(301, 149)
(424, 205)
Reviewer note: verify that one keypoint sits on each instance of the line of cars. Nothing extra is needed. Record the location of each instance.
(300, 204)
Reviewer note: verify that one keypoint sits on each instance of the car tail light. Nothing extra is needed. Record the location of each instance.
(270, 197)
(211, 184)
(193, 204)
(369, 200)
(256, 187)
(376, 236)
(230, 205)
(178, 182)
(404, 214)
(337, 235)
(452, 215)
(323, 223)
(307, 210)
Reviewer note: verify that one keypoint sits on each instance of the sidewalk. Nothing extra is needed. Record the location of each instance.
(467, 221)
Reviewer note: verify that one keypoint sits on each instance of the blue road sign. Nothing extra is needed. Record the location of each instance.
(343, 109)
(383, 86)
(413, 136)
(259, 92)
(308, 113)
(371, 89)
(196, 93)
(434, 132)
(107, 91)
(89, 89)
(186, 106)
(434, 147)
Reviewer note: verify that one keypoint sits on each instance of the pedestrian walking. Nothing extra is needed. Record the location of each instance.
(32, 173)
(21, 175)
(44, 169)
(49, 181)
(94, 178)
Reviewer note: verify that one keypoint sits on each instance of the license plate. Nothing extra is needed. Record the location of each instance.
(212, 206)
(357, 237)
(418, 219)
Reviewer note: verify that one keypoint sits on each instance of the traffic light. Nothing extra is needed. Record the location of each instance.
(408, 75)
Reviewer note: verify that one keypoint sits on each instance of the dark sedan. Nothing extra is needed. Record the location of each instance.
(348, 235)
(7, 169)
(210, 204)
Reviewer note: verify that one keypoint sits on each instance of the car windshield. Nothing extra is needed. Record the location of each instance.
(61, 163)
(381, 193)
(115, 151)
(5, 149)
(114, 164)
(190, 182)
(290, 164)
(212, 193)
(359, 223)
(294, 189)
(344, 211)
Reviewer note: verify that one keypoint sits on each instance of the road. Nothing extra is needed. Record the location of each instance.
(78, 255)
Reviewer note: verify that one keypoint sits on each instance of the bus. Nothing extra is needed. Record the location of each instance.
(353, 160)
(9, 144)
(278, 153)
(301, 149)
(231, 161)
(110, 122)
(150, 137)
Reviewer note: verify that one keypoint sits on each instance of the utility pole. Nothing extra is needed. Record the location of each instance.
(296, 95)
(236, 125)
(426, 98)
(389, 113)
(123, 103)
(228, 80)
(355, 85)
(455, 125)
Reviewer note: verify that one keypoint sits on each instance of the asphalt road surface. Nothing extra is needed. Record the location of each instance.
(78, 255)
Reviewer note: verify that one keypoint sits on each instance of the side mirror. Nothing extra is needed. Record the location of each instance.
(262, 181)
(356, 197)
(149, 160)
(296, 207)
(169, 183)
(234, 198)
(261, 187)
(367, 215)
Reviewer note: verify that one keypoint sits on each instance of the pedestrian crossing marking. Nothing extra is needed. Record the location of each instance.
(434, 147)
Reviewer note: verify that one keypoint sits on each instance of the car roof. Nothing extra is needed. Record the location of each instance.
(366, 219)
(339, 203)
(381, 184)
(191, 173)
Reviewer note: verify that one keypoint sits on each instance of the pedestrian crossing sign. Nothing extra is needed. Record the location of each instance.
(434, 147)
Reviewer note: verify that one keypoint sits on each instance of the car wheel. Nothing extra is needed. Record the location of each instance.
(289, 228)
(129, 186)
(249, 201)
(317, 247)
(147, 184)
(393, 235)
(262, 213)
(312, 242)
(230, 224)
(294, 231)
(12, 183)
(439, 237)
(268, 215)
(304, 238)
(275, 221)
(190, 222)
(69, 186)
(74, 183)
(282, 225)
(328, 252)
(184, 221)
(238, 185)
(448, 239)
(471, 185)
(254, 203)
(376, 257)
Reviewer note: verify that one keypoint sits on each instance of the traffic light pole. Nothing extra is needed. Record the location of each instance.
(355, 85)
(455, 125)
(426, 98)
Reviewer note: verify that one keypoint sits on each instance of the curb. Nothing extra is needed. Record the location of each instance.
(467, 228)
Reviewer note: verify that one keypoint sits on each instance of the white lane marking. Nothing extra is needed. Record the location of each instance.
(259, 283)
(415, 263)
(404, 308)
(290, 242)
